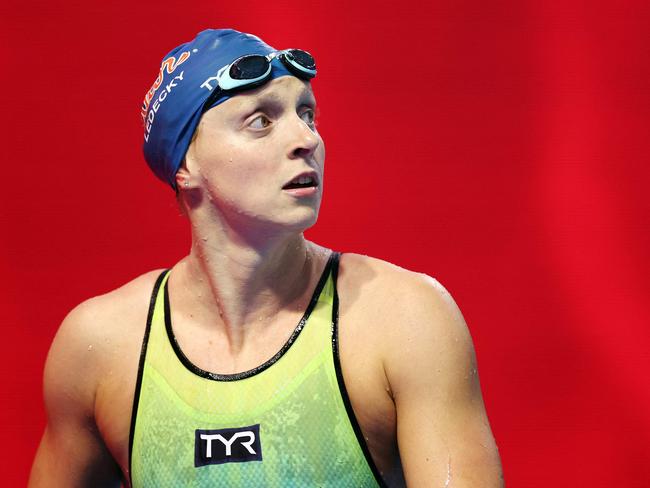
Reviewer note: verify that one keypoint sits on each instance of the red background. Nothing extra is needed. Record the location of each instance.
(501, 147)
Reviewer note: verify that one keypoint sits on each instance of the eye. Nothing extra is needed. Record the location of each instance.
(309, 117)
(260, 122)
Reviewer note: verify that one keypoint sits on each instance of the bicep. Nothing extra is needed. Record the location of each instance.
(72, 457)
(72, 452)
(443, 432)
(444, 440)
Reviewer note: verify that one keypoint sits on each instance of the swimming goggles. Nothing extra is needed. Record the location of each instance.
(252, 70)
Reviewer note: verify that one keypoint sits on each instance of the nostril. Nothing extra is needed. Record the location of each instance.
(300, 152)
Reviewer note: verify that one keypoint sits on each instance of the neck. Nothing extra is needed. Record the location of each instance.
(240, 283)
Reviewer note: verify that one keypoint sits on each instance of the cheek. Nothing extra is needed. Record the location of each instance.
(216, 160)
(238, 175)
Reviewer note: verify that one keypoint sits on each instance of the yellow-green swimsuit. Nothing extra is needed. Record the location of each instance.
(286, 423)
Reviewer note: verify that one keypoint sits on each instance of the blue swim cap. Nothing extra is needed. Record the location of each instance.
(172, 107)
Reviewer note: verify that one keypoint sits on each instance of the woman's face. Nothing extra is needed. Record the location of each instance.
(257, 158)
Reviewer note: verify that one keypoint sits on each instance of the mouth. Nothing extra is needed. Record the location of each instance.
(307, 179)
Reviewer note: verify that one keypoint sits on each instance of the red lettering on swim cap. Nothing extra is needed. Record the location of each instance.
(170, 64)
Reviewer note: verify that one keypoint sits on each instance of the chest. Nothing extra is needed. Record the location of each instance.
(365, 388)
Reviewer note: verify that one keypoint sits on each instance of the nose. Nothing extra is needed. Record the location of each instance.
(304, 139)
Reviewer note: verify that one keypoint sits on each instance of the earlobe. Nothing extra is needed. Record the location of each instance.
(182, 178)
(188, 189)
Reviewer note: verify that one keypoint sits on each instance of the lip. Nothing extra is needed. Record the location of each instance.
(307, 191)
(312, 174)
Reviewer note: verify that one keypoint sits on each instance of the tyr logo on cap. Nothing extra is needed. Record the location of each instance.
(236, 445)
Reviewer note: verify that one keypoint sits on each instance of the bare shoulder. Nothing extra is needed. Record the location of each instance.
(382, 272)
(98, 340)
(412, 325)
(109, 315)
(397, 291)
(409, 313)
(91, 333)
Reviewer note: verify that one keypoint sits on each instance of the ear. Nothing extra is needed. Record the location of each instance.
(183, 179)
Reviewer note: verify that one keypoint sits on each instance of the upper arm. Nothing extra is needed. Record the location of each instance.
(443, 432)
(71, 452)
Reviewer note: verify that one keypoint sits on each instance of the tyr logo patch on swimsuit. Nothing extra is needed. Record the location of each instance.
(237, 445)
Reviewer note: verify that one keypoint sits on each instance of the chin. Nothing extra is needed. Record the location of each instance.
(302, 220)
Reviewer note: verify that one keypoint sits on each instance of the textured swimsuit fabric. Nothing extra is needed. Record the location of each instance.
(306, 436)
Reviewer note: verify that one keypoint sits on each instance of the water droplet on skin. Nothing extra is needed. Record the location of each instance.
(448, 480)
(90, 347)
